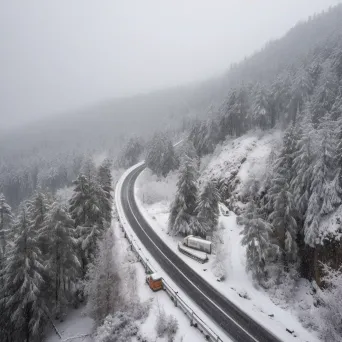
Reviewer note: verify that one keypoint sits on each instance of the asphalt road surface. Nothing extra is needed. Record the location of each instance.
(238, 325)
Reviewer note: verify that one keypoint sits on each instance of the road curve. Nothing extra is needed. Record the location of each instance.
(238, 325)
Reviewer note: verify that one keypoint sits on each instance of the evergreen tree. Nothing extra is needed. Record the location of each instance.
(212, 137)
(208, 209)
(318, 203)
(161, 157)
(102, 281)
(104, 176)
(6, 328)
(261, 114)
(88, 169)
(5, 222)
(338, 156)
(79, 201)
(130, 153)
(234, 114)
(331, 313)
(324, 95)
(280, 98)
(204, 136)
(283, 210)
(63, 263)
(187, 150)
(85, 210)
(24, 278)
(301, 88)
(303, 168)
(183, 209)
(257, 239)
(38, 208)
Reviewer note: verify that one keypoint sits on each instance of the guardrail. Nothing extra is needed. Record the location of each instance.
(195, 321)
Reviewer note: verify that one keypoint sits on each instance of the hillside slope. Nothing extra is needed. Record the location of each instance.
(246, 158)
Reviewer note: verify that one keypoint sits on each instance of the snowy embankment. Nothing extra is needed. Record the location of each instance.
(245, 158)
(161, 299)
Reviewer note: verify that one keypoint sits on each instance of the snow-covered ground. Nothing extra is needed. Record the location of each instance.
(247, 157)
(76, 323)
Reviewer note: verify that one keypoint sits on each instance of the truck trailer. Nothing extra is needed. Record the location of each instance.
(197, 243)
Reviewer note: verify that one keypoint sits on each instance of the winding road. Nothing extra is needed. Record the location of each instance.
(238, 325)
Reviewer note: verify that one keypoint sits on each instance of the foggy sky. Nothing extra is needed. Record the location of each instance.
(59, 55)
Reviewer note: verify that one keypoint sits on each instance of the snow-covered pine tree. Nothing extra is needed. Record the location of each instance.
(280, 98)
(261, 111)
(130, 153)
(282, 206)
(6, 220)
(337, 62)
(86, 212)
(78, 202)
(38, 208)
(26, 290)
(257, 239)
(187, 150)
(153, 153)
(323, 191)
(161, 157)
(204, 136)
(331, 310)
(208, 209)
(324, 94)
(236, 113)
(303, 167)
(88, 169)
(102, 281)
(169, 160)
(104, 176)
(63, 263)
(338, 157)
(336, 110)
(322, 201)
(5, 223)
(300, 90)
(183, 208)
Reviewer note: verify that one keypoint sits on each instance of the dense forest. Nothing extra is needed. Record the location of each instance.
(304, 185)
(291, 220)
(46, 247)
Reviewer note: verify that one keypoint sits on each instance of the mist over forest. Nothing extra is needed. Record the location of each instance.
(58, 173)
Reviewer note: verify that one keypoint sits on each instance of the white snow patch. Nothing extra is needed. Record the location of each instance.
(245, 156)
(330, 226)
(76, 323)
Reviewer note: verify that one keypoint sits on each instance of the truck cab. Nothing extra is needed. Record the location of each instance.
(154, 281)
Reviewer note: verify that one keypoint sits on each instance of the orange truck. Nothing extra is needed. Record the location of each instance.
(154, 281)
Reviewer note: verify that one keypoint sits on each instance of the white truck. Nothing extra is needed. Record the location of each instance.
(223, 209)
(197, 243)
